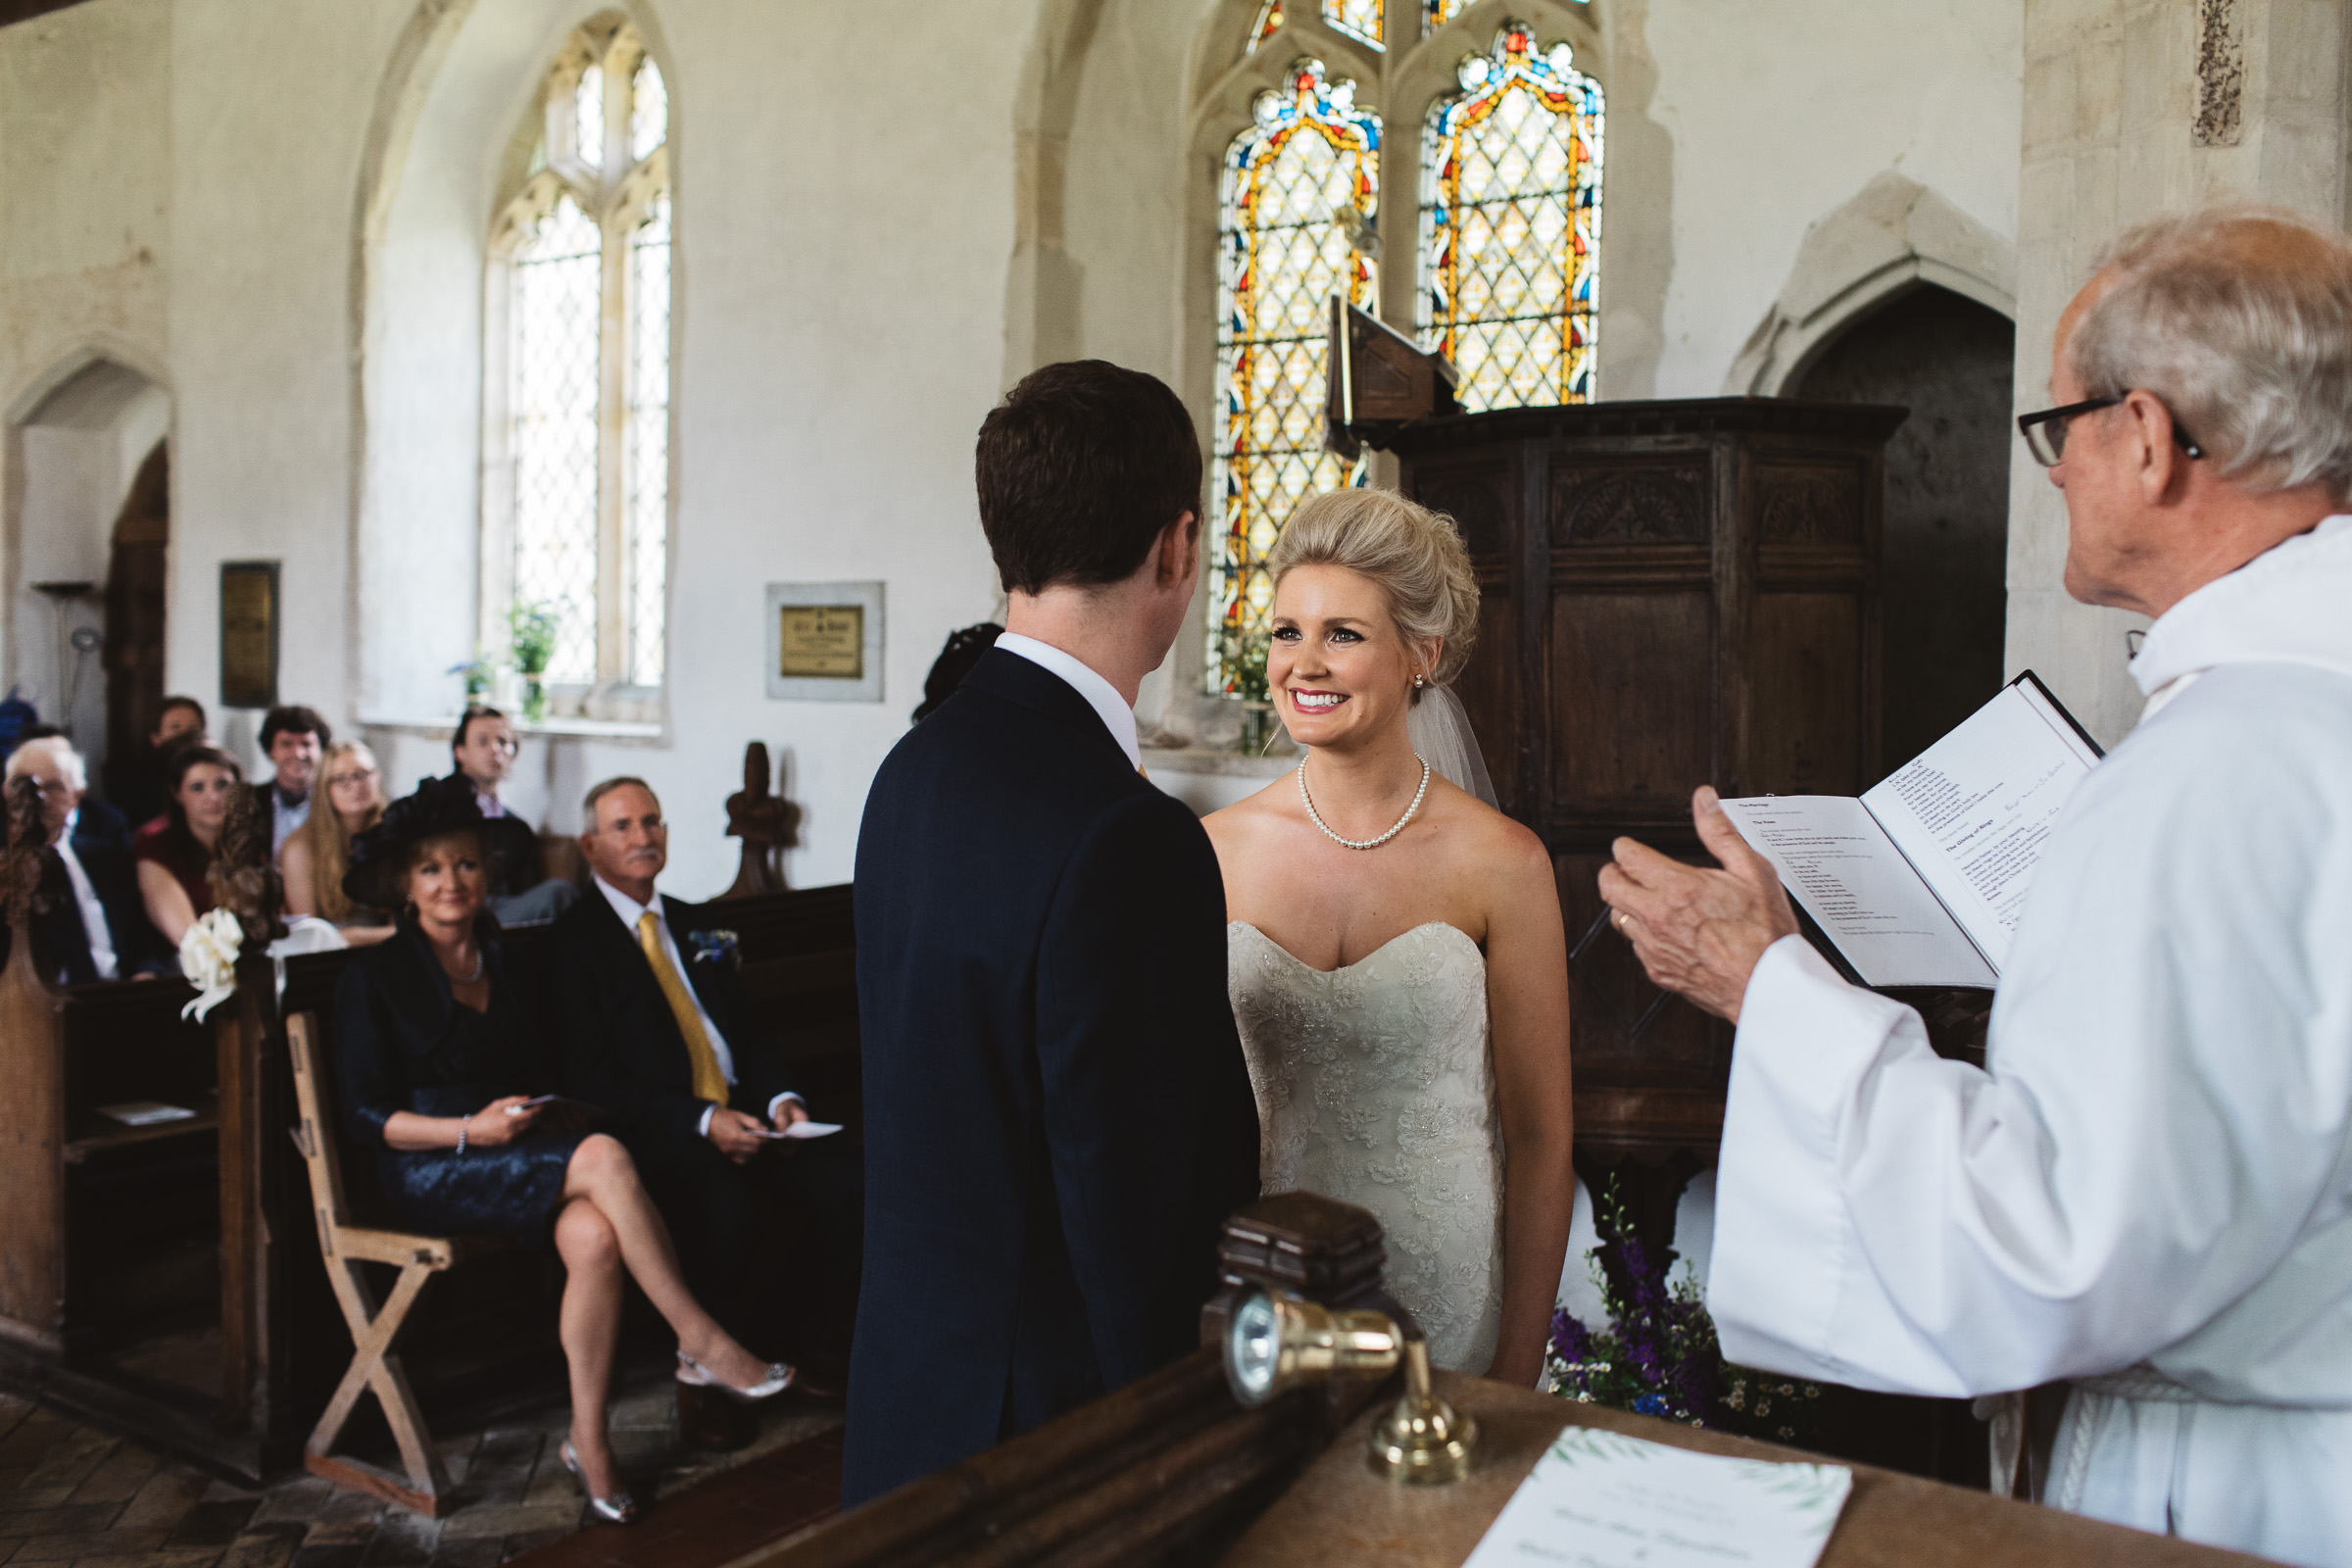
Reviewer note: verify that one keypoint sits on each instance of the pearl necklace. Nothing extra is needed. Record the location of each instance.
(1309, 801)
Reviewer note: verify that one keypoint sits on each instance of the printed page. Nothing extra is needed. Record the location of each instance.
(1974, 811)
(1856, 884)
(1599, 1500)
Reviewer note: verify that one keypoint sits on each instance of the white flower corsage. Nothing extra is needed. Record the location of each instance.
(208, 957)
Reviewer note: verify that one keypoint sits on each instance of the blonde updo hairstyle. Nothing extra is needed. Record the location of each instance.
(1416, 555)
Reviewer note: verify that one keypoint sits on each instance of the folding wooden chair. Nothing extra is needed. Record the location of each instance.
(344, 1247)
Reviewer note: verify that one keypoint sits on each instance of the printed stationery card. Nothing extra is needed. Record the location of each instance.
(1598, 1499)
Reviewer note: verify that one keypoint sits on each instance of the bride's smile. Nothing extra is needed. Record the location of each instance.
(1343, 670)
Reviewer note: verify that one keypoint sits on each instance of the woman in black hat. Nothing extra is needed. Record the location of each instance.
(437, 1056)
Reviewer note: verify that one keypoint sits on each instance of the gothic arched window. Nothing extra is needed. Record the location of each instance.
(1510, 225)
(1301, 187)
(578, 530)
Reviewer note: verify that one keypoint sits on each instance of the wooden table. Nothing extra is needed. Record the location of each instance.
(1339, 1512)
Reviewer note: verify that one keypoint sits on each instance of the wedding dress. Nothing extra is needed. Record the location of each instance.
(1375, 1087)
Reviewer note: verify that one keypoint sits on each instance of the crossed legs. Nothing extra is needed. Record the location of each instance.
(607, 1225)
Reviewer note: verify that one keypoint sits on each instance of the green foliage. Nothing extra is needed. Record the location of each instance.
(1243, 660)
(534, 629)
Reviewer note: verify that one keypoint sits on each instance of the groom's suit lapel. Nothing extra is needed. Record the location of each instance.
(1033, 686)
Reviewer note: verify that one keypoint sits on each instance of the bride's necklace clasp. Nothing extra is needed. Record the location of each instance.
(1309, 801)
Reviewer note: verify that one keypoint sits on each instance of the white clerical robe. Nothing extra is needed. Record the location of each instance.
(2152, 1179)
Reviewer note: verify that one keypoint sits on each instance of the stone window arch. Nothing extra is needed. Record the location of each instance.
(1497, 263)
(576, 356)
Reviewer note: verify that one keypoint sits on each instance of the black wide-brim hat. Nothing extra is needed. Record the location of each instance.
(379, 856)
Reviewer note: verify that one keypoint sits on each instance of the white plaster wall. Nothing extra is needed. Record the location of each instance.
(1780, 110)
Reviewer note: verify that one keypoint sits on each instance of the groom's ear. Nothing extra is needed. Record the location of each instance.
(1179, 552)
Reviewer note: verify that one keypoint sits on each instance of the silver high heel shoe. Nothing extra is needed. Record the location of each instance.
(779, 1377)
(618, 1509)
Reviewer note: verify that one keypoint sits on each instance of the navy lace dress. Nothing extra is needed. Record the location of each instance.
(402, 1042)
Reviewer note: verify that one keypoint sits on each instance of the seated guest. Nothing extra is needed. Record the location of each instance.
(956, 659)
(100, 933)
(135, 783)
(293, 739)
(319, 853)
(175, 851)
(656, 1028)
(439, 1053)
(484, 749)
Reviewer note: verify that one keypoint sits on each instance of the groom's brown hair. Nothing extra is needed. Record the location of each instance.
(1080, 469)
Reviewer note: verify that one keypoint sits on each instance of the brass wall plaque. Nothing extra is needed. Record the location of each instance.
(825, 642)
(249, 633)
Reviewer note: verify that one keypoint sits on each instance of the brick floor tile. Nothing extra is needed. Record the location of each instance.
(88, 1544)
(71, 1462)
(469, 1551)
(26, 1500)
(293, 1501)
(513, 1546)
(163, 1501)
(403, 1540)
(14, 1410)
(269, 1546)
(120, 1476)
(349, 1518)
(509, 1519)
(227, 1491)
(214, 1524)
(181, 1557)
(34, 1437)
(338, 1554)
(88, 1517)
(8, 1545)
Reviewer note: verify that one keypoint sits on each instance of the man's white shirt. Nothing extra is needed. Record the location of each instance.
(2148, 1190)
(630, 912)
(285, 818)
(1100, 695)
(93, 913)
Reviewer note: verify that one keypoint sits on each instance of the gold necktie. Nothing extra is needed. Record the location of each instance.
(708, 1082)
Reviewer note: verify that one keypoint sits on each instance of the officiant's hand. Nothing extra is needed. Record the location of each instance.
(736, 1133)
(1700, 933)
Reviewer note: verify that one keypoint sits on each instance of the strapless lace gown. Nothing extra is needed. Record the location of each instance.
(1375, 1086)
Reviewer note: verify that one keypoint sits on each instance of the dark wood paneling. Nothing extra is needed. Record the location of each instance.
(1618, 663)
(1805, 727)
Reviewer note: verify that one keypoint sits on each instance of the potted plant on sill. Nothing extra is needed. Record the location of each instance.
(534, 629)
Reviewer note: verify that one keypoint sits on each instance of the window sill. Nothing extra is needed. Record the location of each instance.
(1231, 765)
(599, 730)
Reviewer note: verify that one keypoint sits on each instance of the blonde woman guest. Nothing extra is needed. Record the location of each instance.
(1394, 955)
(175, 851)
(319, 853)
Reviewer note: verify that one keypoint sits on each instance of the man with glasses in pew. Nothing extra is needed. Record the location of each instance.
(2147, 1190)
(654, 1026)
(96, 929)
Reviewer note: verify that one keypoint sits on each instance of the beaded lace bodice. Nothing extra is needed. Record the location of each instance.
(1375, 1086)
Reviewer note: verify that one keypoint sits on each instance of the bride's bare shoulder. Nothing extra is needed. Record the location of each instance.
(1491, 843)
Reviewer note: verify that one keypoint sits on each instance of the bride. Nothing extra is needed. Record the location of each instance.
(1395, 953)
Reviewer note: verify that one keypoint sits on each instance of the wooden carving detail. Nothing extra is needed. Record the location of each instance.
(1809, 506)
(28, 847)
(1630, 506)
(243, 879)
(766, 822)
(1475, 511)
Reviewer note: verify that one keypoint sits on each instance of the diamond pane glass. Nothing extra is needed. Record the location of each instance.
(1360, 19)
(1297, 188)
(649, 442)
(588, 113)
(649, 111)
(1510, 227)
(558, 280)
(1441, 12)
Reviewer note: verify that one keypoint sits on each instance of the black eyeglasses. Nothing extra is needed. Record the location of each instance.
(2046, 432)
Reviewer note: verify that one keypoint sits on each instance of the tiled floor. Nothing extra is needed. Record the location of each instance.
(74, 1497)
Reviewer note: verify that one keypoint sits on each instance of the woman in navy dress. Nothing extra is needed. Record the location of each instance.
(437, 1055)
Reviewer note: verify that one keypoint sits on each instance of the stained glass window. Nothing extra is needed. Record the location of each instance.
(1510, 225)
(1268, 24)
(585, 242)
(1360, 19)
(1298, 190)
(1441, 12)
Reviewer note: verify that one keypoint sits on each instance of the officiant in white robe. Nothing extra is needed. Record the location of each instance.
(2148, 1189)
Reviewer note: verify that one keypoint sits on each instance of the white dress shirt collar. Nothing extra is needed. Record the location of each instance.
(93, 913)
(1103, 697)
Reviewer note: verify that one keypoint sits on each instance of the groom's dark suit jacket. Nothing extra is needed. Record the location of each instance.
(1057, 1113)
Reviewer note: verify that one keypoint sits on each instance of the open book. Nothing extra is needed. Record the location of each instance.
(1921, 881)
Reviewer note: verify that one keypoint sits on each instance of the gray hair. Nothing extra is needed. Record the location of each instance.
(1416, 555)
(2240, 317)
(68, 761)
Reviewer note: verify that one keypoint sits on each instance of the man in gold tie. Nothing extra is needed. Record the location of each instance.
(656, 1029)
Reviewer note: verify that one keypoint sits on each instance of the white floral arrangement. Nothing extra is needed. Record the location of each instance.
(208, 957)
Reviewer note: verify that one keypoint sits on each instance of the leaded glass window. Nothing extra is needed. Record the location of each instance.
(1268, 24)
(1441, 12)
(1299, 190)
(583, 253)
(1510, 227)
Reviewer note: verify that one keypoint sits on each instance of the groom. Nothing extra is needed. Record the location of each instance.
(1058, 1115)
